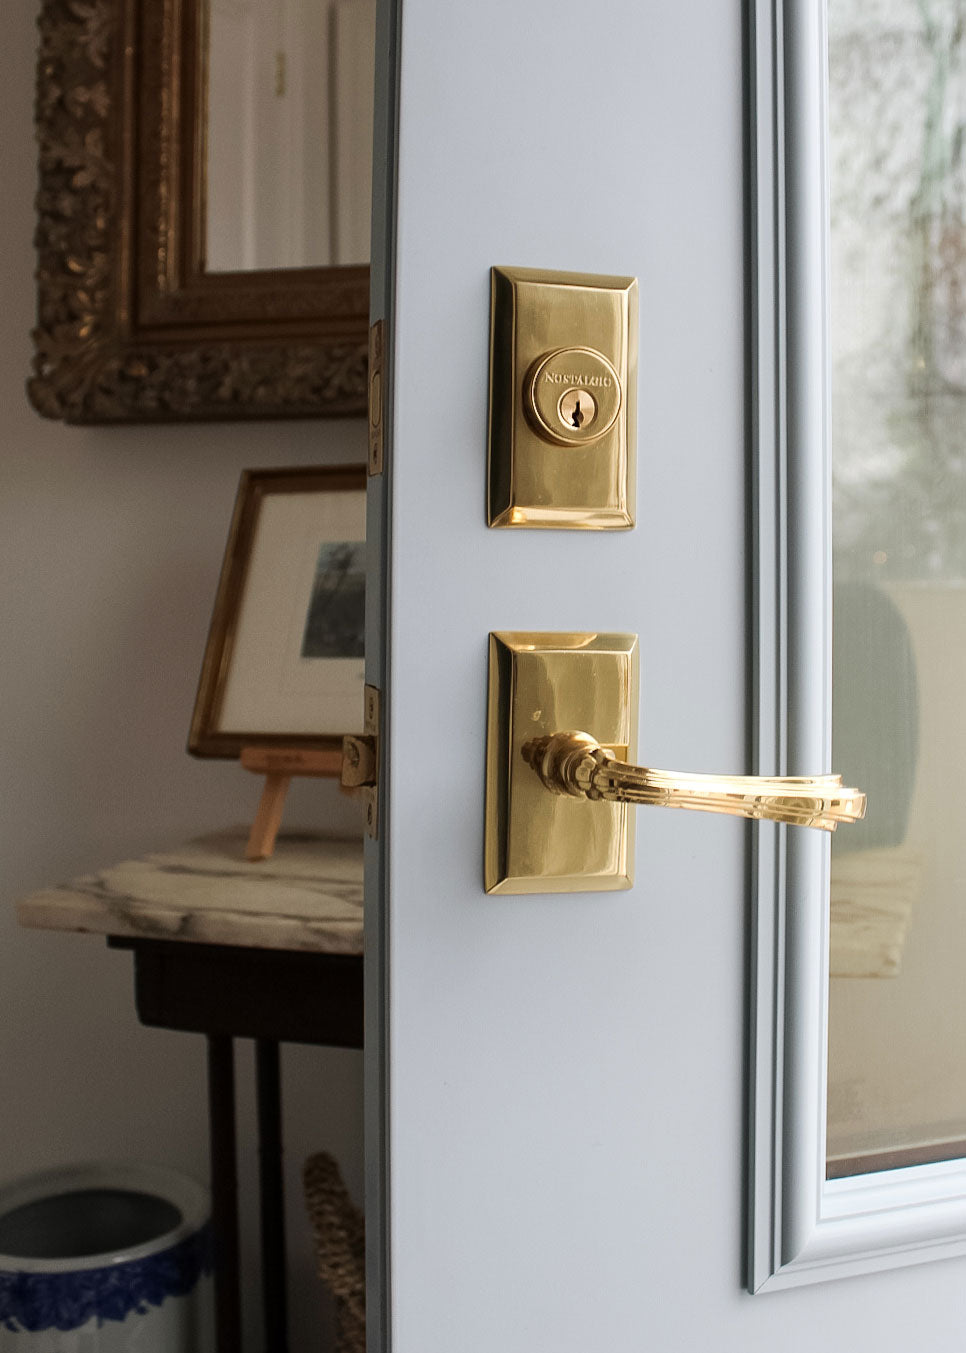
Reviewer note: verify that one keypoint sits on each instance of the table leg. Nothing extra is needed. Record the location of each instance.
(224, 1192)
(268, 1088)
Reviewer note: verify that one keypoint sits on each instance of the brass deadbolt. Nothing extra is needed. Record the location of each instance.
(572, 396)
(563, 400)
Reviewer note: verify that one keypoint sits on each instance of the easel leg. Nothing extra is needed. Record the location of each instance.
(261, 841)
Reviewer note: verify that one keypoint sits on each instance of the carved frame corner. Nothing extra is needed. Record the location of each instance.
(92, 363)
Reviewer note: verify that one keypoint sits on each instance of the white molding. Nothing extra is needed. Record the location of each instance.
(802, 1228)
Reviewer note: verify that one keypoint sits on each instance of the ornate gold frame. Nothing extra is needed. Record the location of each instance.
(129, 325)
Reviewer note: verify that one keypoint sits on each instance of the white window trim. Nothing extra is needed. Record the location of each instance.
(803, 1228)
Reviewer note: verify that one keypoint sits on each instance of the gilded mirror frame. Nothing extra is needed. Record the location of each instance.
(130, 327)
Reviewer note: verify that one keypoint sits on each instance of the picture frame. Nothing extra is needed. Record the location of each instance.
(132, 326)
(284, 662)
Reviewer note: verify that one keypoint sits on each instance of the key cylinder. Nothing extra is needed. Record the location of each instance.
(572, 396)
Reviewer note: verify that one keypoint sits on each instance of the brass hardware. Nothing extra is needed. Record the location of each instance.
(360, 761)
(376, 431)
(560, 407)
(575, 764)
(538, 842)
(558, 340)
(577, 408)
(553, 842)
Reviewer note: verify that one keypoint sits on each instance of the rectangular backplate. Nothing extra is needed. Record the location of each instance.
(532, 482)
(536, 841)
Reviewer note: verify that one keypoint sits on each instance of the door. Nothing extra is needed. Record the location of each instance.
(557, 1083)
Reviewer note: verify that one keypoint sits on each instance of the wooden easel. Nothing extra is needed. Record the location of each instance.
(278, 765)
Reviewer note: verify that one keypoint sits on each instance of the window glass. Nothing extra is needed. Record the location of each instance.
(897, 165)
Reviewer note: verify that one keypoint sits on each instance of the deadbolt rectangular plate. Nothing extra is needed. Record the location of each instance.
(532, 482)
(538, 842)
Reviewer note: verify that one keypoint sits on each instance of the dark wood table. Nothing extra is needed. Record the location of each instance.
(270, 951)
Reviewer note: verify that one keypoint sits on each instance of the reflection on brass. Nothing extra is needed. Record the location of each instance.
(130, 326)
(577, 409)
(553, 337)
(376, 387)
(360, 761)
(558, 401)
(538, 842)
(575, 764)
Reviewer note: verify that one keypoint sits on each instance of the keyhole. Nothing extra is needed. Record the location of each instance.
(577, 409)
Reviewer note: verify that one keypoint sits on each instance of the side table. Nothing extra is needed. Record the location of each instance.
(270, 951)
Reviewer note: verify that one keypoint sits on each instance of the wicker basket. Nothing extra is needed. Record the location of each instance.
(340, 1245)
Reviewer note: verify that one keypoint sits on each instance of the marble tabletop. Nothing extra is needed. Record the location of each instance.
(307, 896)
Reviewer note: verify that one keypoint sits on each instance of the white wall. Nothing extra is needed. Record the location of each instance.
(110, 545)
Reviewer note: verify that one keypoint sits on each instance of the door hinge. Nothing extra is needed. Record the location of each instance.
(360, 761)
(376, 386)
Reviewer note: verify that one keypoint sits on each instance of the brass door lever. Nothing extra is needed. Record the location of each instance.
(542, 684)
(575, 764)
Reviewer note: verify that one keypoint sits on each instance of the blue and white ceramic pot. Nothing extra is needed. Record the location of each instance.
(105, 1259)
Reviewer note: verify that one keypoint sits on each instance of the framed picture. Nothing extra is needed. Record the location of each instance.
(284, 662)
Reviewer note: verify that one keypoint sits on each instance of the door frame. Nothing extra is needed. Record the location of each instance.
(382, 287)
(802, 1228)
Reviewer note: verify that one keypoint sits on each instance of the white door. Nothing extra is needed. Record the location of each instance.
(557, 1084)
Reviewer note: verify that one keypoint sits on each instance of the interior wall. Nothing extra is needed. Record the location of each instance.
(110, 546)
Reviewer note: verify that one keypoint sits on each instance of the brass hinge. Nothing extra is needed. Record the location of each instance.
(376, 387)
(360, 761)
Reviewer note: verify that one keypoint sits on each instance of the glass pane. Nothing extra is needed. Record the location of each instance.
(897, 1016)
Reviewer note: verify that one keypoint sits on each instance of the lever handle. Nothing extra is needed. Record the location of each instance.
(574, 763)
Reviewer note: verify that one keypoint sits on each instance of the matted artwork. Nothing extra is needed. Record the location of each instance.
(284, 662)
